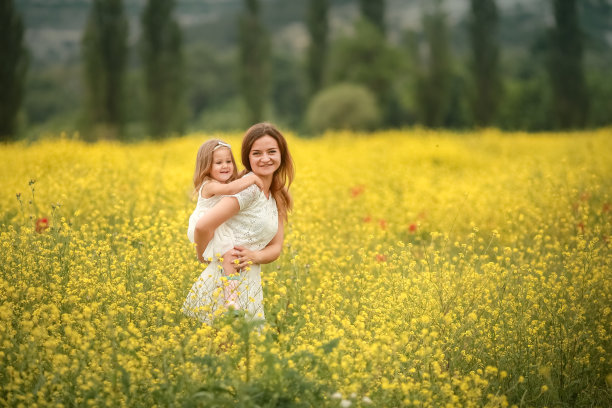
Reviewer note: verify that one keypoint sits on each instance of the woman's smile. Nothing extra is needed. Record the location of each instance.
(265, 157)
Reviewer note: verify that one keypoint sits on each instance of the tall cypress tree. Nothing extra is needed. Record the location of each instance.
(254, 61)
(433, 87)
(374, 12)
(105, 53)
(13, 68)
(366, 58)
(570, 98)
(163, 63)
(485, 60)
(317, 51)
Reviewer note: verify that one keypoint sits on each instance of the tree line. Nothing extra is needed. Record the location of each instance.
(361, 81)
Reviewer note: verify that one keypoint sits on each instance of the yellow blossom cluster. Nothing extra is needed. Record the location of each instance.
(420, 268)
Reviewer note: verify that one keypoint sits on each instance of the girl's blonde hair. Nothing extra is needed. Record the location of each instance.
(283, 176)
(204, 162)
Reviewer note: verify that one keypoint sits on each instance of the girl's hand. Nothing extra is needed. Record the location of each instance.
(245, 257)
(257, 181)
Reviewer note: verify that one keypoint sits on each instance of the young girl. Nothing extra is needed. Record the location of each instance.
(214, 177)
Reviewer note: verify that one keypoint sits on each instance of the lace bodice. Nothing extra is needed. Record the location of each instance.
(257, 221)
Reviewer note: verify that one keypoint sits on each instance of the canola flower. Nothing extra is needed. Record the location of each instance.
(420, 268)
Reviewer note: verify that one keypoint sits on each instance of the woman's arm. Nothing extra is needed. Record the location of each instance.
(205, 228)
(266, 255)
(215, 188)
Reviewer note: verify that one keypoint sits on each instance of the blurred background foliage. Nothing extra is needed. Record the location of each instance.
(136, 69)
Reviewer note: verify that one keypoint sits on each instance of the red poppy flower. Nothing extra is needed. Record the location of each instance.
(42, 224)
(381, 258)
(412, 227)
(357, 190)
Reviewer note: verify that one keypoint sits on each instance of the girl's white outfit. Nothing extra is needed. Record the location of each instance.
(253, 228)
(223, 239)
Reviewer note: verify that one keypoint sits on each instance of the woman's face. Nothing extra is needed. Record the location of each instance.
(265, 157)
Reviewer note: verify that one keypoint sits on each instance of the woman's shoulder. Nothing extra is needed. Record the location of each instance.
(251, 190)
(248, 196)
(246, 173)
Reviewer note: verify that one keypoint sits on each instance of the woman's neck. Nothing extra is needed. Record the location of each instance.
(267, 182)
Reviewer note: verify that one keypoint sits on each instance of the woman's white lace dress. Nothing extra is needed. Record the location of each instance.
(223, 239)
(253, 227)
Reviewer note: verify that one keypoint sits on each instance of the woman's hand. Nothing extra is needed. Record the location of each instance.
(245, 257)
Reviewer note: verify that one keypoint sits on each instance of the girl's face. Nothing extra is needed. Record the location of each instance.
(265, 157)
(222, 166)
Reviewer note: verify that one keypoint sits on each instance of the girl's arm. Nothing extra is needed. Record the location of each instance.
(215, 188)
(205, 228)
(266, 255)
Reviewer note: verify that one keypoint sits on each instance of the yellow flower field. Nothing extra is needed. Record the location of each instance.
(420, 269)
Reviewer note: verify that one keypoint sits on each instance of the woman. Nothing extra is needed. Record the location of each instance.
(256, 218)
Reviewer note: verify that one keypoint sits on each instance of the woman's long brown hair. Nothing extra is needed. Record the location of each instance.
(283, 176)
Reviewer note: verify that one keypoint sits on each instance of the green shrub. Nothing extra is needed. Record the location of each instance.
(343, 106)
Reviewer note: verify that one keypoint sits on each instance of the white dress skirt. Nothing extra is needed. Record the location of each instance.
(253, 228)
